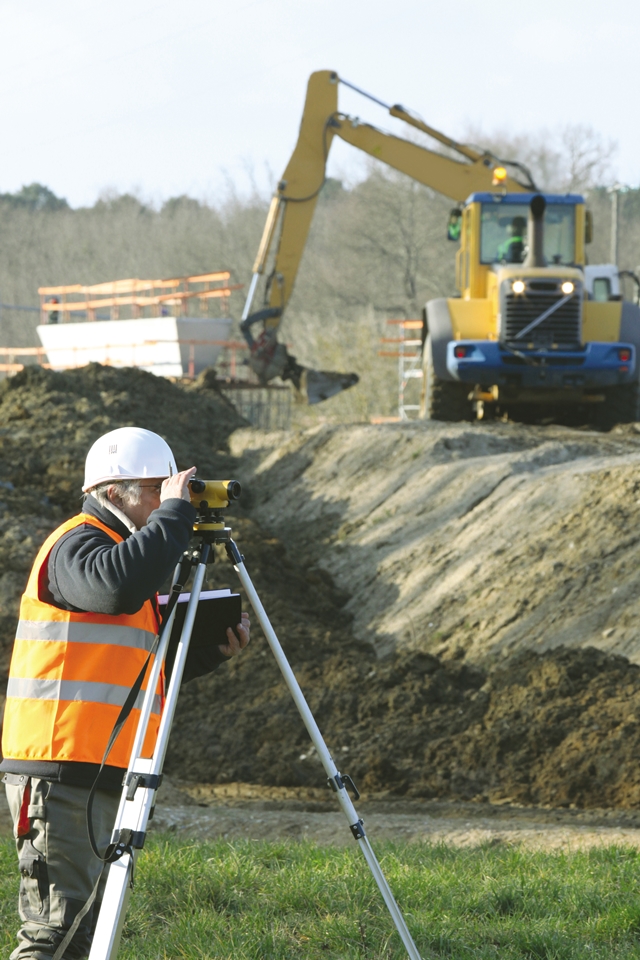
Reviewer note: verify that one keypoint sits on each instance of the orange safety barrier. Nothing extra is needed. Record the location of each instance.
(136, 294)
(12, 352)
(408, 324)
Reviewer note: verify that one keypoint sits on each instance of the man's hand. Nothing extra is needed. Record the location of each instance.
(235, 646)
(177, 486)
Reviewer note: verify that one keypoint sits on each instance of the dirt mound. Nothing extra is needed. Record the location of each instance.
(49, 420)
(556, 728)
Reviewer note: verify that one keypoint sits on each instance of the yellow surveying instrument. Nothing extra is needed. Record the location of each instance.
(144, 774)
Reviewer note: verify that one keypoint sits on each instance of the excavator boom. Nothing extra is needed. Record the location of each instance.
(294, 204)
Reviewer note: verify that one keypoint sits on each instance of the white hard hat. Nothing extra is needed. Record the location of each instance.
(129, 453)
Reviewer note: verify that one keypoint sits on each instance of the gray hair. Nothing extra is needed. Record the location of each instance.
(128, 491)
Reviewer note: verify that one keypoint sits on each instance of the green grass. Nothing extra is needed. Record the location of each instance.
(246, 900)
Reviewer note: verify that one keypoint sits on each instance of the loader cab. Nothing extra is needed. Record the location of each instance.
(494, 235)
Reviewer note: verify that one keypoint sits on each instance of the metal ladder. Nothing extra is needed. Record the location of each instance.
(409, 356)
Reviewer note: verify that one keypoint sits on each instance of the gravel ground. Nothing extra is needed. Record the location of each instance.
(247, 812)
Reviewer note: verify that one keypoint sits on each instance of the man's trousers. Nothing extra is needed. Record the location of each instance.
(58, 869)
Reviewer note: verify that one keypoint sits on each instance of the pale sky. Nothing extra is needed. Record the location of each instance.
(166, 98)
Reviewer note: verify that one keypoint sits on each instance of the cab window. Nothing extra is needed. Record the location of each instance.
(601, 289)
(503, 233)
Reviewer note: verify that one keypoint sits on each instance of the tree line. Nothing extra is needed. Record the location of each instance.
(377, 250)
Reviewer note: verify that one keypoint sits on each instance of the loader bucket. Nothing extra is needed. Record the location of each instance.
(318, 385)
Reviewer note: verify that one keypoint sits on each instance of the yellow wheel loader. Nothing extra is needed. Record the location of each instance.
(523, 330)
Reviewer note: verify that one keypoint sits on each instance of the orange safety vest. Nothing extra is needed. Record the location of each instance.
(71, 672)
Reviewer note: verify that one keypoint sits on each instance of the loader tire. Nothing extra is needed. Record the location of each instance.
(621, 405)
(442, 399)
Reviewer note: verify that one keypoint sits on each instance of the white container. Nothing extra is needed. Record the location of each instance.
(166, 346)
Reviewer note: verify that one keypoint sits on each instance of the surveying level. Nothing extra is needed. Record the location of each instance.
(213, 494)
(144, 774)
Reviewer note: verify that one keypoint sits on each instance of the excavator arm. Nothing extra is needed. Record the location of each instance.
(294, 202)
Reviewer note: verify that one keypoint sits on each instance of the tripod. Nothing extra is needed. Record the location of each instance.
(144, 775)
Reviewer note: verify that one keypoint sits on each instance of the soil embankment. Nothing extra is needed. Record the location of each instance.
(458, 602)
(460, 539)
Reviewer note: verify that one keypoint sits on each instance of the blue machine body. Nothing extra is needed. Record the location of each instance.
(489, 362)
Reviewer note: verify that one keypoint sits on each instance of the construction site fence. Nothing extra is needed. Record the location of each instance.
(9, 364)
(137, 298)
(265, 408)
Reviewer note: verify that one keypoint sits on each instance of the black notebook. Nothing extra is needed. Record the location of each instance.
(217, 610)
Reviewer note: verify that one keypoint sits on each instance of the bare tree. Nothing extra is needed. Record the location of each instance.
(587, 157)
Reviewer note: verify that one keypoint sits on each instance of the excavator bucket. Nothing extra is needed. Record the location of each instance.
(269, 359)
(318, 385)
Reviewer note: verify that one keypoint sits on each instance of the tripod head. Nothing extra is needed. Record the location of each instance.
(210, 497)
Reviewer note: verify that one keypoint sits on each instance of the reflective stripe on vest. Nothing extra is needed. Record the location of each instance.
(85, 633)
(71, 672)
(86, 691)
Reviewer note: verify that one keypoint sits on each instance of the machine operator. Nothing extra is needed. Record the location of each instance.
(88, 618)
(511, 250)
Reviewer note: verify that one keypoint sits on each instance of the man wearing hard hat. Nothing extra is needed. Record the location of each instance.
(88, 618)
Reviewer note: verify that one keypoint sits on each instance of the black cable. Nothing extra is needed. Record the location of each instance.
(525, 170)
(363, 93)
(508, 163)
(129, 704)
(115, 850)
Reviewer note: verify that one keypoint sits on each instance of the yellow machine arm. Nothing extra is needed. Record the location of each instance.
(294, 202)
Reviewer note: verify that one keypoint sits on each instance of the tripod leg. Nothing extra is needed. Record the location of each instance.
(336, 780)
(106, 939)
(141, 783)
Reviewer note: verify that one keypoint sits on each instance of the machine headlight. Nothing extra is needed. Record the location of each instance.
(518, 286)
(567, 287)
